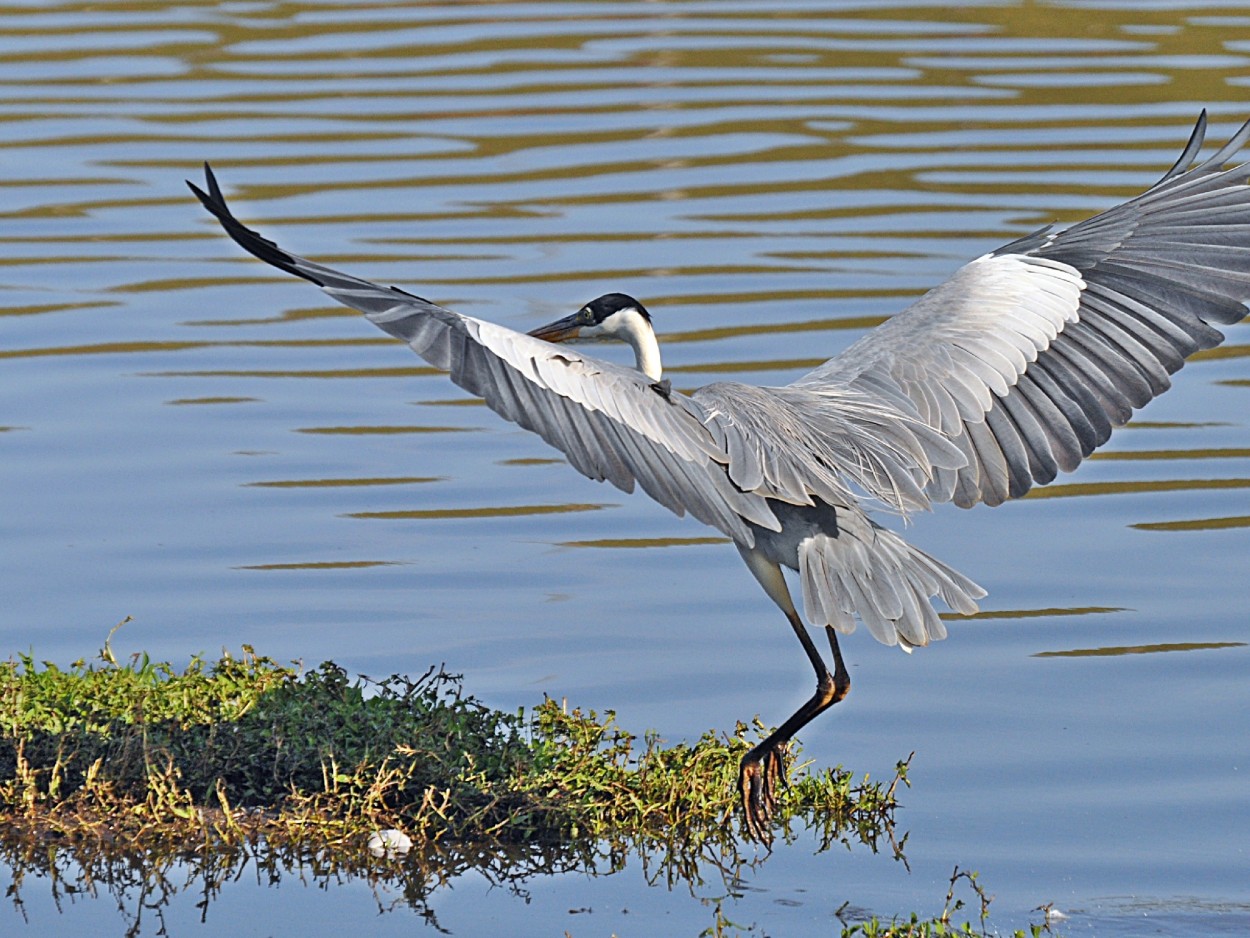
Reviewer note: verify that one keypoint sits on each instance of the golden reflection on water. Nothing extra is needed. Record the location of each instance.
(222, 399)
(530, 461)
(1228, 350)
(1042, 613)
(642, 542)
(323, 565)
(343, 483)
(1198, 524)
(103, 348)
(1175, 424)
(771, 328)
(1086, 489)
(131, 348)
(1117, 650)
(496, 511)
(1148, 455)
(286, 316)
(331, 373)
(365, 430)
(734, 367)
(39, 309)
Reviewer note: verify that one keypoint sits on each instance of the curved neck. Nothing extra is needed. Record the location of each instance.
(646, 353)
(630, 326)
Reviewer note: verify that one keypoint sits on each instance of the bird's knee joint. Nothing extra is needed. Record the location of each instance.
(842, 687)
(832, 688)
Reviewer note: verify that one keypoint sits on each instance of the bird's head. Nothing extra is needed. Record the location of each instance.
(611, 316)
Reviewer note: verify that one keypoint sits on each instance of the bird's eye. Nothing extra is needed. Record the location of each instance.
(585, 315)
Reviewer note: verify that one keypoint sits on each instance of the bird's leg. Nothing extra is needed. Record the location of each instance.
(763, 768)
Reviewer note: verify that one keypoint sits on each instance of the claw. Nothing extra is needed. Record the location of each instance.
(759, 777)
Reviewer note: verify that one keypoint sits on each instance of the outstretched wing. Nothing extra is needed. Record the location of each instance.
(1028, 357)
(612, 422)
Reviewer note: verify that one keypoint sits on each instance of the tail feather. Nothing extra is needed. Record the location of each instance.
(869, 571)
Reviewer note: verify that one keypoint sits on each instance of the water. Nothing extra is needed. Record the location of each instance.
(199, 442)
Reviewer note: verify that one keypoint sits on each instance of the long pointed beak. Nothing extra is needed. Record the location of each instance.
(559, 331)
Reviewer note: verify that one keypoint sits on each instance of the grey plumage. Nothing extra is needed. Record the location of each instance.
(1013, 370)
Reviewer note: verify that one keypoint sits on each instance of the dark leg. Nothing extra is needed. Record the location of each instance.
(763, 769)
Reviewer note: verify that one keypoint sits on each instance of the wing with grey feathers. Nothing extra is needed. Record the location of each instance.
(1028, 357)
(720, 454)
(612, 422)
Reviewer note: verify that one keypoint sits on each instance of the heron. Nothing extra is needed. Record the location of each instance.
(1014, 369)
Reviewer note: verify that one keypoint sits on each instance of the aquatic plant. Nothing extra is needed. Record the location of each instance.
(244, 747)
(943, 925)
(205, 769)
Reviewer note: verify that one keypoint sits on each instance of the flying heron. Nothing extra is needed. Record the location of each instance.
(1015, 368)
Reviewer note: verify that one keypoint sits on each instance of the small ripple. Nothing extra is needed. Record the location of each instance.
(1197, 524)
(644, 542)
(343, 483)
(1118, 650)
(495, 511)
(323, 565)
(1083, 489)
(365, 430)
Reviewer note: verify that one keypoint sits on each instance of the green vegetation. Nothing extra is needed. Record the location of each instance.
(204, 770)
(244, 747)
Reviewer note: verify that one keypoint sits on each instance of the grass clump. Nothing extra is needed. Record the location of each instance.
(244, 748)
(146, 780)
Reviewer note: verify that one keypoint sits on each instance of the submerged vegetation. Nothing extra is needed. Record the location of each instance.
(944, 924)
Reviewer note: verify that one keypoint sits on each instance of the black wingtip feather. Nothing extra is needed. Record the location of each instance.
(1192, 148)
(243, 236)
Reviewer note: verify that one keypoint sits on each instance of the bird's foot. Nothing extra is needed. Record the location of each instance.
(760, 775)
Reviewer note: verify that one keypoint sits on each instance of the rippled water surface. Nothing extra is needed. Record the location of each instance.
(193, 439)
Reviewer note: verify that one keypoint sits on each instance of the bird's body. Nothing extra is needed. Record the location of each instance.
(1014, 369)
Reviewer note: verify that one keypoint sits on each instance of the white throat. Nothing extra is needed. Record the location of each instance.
(631, 326)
